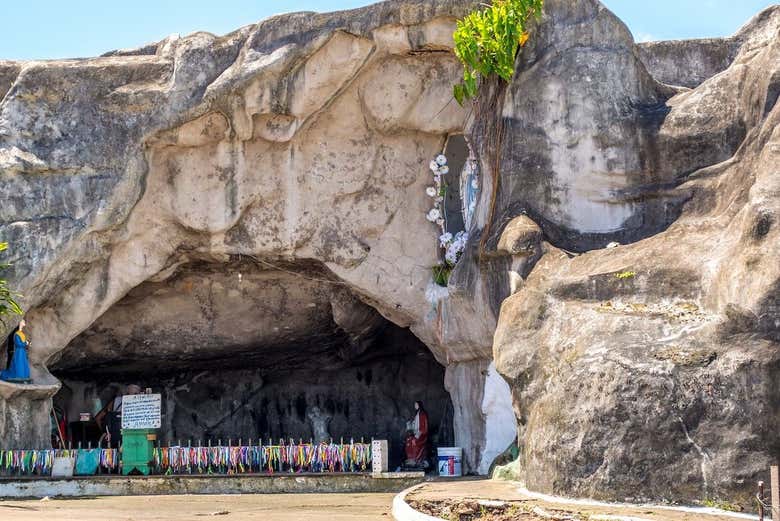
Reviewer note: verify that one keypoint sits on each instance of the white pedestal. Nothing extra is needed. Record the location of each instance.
(63, 467)
(379, 456)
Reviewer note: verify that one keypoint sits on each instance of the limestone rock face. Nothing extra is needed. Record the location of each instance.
(262, 195)
(303, 137)
(646, 370)
(688, 63)
(521, 237)
(579, 124)
(299, 144)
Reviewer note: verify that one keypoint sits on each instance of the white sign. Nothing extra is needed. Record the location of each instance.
(379, 452)
(141, 411)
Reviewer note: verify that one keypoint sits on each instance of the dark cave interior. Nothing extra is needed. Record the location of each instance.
(265, 355)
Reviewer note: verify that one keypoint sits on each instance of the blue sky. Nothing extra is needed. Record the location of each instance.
(44, 29)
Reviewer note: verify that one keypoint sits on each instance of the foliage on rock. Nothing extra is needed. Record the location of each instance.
(487, 41)
(8, 304)
(441, 274)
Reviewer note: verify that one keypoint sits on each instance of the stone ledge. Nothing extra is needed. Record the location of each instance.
(33, 391)
(399, 475)
(87, 486)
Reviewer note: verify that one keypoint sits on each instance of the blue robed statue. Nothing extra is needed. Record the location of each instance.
(19, 368)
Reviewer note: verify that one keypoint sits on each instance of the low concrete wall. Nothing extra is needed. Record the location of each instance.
(170, 485)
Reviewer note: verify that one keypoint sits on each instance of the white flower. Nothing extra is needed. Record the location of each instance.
(454, 250)
(433, 215)
(444, 170)
(451, 256)
(439, 199)
(441, 160)
(431, 191)
(445, 239)
(434, 166)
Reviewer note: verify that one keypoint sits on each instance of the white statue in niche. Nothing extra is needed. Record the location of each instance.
(319, 424)
(469, 189)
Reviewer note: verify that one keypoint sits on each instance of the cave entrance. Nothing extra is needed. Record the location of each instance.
(242, 350)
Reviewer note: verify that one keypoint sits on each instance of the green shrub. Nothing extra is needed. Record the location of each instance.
(487, 41)
(722, 505)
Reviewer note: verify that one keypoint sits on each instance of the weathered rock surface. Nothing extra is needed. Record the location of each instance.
(301, 145)
(301, 142)
(688, 63)
(648, 370)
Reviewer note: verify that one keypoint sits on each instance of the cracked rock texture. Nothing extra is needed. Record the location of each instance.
(642, 370)
(299, 144)
(647, 370)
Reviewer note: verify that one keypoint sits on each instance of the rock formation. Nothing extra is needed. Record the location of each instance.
(141, 188)
(647, 370)
(299, 145)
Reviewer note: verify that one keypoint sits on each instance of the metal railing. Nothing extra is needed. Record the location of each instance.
(773, 505)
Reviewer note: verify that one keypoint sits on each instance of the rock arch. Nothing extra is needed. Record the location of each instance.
(303, 139)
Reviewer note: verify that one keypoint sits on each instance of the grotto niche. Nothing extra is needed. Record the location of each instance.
(302, 141)
(255, 350)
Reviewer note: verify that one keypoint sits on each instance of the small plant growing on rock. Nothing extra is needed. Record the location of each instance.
(8, 304)
(487, 41)
(441, 274)
(454, 248)
(625, 275)
(722, 505)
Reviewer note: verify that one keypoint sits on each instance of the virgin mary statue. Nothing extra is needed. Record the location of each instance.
(19, 367)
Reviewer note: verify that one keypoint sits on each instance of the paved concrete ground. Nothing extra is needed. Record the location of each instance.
(508, 491)
(274, 507)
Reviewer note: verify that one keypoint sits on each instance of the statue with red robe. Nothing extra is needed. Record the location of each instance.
(416, 443)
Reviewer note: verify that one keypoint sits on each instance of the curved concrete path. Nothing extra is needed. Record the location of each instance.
(493, 490)
(403, 512)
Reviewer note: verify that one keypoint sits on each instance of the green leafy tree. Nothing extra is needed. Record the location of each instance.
(8, 304)
(487, 41)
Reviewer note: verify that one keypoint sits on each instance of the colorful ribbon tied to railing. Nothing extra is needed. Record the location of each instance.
(41, 462)
(292, 457)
